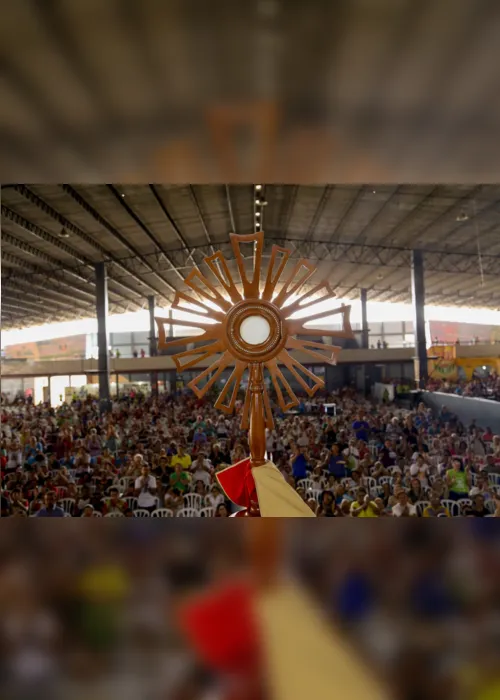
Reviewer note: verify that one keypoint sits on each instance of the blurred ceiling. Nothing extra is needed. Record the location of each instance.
(262, 91)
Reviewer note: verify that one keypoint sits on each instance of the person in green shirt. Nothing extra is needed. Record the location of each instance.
(459, 480)
(180, 479)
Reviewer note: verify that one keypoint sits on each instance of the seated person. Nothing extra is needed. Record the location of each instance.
(173, 500)
(50, 509)
(180, 479)
(363, 506)
(403, 507)
(478, 508)
(113, 504)
(327, 507)
(435, 509)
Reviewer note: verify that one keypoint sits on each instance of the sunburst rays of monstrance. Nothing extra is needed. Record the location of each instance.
(253, 326)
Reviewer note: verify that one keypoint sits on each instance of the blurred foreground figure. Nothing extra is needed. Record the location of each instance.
(250, 629)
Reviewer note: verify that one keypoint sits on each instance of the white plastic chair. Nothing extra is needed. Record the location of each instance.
(131, 502)
(114, 515)
(188, 513)
(67, 504)
(421, 506)
(124, 482)
(494, 479)
(67, 515)
(307, 484)
(162, 513)
(490, 505)
(452, 506)
(207, 512)
(474, 479)
(193, 500)
(314, 493)
(96, 514)
(371, 485)
(465, 502)
(141, 513)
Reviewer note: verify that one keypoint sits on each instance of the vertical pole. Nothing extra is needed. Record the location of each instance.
(49, 391)
(170, 327)
(364, 337)
(418, 298)
(152, 343)
(364, 319)
(101, 280)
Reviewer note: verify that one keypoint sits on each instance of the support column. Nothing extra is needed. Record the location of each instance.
(418, 298)
(170, 327)
(101, 281)
(153, 349)
(365, 380)
(364, 319)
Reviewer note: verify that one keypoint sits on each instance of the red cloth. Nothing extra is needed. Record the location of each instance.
(238, 483)
(221, 627)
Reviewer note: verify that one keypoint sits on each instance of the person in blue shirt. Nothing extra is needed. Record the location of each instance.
(50, 510)
(361, 427)
(299, 464)
(335, 463)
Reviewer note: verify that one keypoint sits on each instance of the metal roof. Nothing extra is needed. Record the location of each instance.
(152, 235)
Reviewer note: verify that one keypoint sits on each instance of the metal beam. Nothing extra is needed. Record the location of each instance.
(363, 254)
(42, 298)
(230, 208)
(200, 215)
(67, 288)
(76, 197)
(324, 199)
(43, 235)
(145, 229)
(70, 226)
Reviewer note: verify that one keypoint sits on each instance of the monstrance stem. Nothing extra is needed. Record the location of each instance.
(257, 432)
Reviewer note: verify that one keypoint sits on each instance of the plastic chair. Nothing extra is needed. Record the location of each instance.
(494, 479)
(96, 514)
(131, 502)
(114, 515)
(371, 485)
(465, 502)
(452, 506)
(188, 513)
(141, 513)
(421, 506)
(162, 513)
(193, 500)
(307, 484)
(385, 480)
(314, 493)
(67, 504)
(490, 505)
(207, 512)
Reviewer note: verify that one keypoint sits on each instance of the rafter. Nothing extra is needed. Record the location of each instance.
(76, 197)
(43, 206)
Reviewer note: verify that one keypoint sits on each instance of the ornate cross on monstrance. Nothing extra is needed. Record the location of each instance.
(254, 327)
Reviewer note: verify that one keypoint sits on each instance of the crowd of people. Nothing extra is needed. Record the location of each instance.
(158, 457)
(90, 612)
(487, 387)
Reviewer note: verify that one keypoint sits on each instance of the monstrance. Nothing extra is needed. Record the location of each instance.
(254, 327)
